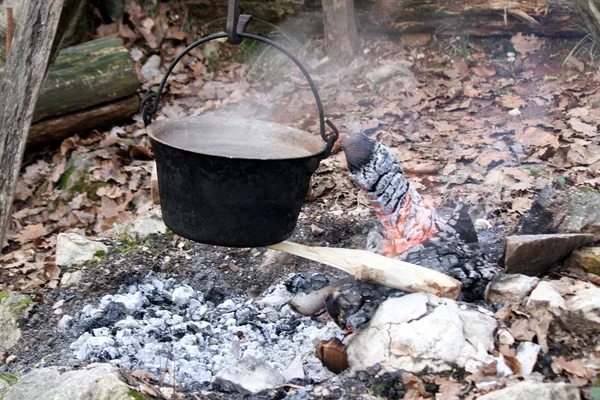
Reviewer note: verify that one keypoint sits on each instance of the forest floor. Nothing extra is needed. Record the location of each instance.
(489, 122)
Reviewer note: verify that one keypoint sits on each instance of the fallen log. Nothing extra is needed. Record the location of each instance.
(56, 129)
(442, 17)
(375, 268)
(89, 86)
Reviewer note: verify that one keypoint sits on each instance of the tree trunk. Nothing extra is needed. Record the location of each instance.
(341, 31)
(590, 12)
(38, 29)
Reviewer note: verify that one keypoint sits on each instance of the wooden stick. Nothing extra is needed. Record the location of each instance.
(9, 29)
(312, 303)
(371, 267)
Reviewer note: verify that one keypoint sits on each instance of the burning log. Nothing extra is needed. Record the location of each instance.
(375, 268)
(410, 228)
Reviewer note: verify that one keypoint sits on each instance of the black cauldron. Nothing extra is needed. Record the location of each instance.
(232, 181)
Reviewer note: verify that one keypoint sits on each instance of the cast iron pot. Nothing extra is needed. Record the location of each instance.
(232, 181)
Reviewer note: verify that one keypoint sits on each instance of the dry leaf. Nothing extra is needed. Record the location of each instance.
(525, 44)
(511, 100)
(521, 330)
(449, 389)
(582, 127)
(31, 232)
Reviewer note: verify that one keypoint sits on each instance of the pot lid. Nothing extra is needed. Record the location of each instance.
(236, 138)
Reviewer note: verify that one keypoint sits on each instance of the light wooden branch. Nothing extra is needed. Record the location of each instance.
(371, 267)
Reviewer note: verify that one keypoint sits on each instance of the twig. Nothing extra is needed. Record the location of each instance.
(576, 47)
(10, 27)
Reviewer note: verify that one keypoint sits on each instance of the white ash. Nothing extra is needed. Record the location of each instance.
(182, 337)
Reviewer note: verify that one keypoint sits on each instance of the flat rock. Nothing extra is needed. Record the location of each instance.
(510, 288)
(73, 249)
(534, 390)
(419, 331)
(139, 228)
(535, 254)
(249, 375)
(13, 306)
(587, 258)
(96, 381)
(576, 210)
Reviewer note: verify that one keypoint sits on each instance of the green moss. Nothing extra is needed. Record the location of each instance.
(100, 254)
(9, 378)
(136, 395)
(64, 179)
(379, 389)
(534, 170)
(15, 307)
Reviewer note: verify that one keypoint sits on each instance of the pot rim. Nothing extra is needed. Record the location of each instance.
(150, 132)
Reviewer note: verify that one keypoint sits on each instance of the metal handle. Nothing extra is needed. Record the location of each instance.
(147, 111)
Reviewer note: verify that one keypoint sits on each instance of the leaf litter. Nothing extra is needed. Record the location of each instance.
(461, 130)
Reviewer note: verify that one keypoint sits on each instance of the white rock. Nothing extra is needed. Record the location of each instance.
(65, 322)
(511, 288)
(527, 354)
(147, 224)
(277, 298)
(534, 390)
(545, 296)
(419, 330)
(96, 381)
(295, 370)
(582, 312)
(73, 249)
(482, 224)
(504, 337)
(502, 369)
(182, 295)
(249, 375)
(150, 69)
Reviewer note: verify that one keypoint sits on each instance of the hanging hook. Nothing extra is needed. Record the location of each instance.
(236, 23)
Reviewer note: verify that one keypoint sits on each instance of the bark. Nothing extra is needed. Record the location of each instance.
(341, 30)
(32, 48)
(590, 13)
(85, 76)
(56, 129)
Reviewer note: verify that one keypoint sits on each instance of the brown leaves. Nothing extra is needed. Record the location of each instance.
(526, 44)
(31, 232)
(511, 100)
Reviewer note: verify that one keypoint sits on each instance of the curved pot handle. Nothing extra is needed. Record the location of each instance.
(148, 111)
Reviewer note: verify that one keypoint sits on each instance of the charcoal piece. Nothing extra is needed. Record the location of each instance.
(215, 296)
(318, 281)
(299, 284)
(353, 304)
(113, 313)
(244, 315)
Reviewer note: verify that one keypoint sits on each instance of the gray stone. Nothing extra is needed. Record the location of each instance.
(388, 71)
(133, 302)
(147, 224)
(419, 331)
(575, 210)
(534, 390)
(96, 381)
(277, 298)
(510, 288)
(535, 254)
(13, 306)
(150, 69)
(249, 375)
(73, 249)
(294, 370)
